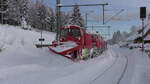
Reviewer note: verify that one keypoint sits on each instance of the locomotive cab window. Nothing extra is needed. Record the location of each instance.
(70, 32)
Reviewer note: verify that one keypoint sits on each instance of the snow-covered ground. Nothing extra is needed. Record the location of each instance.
(22, 63)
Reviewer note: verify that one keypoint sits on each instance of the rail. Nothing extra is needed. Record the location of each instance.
(122, 74)
(100, 75)
(124, 71)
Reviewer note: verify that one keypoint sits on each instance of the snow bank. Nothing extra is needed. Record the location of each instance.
(141, 73)
(89, 74)
(147, 37)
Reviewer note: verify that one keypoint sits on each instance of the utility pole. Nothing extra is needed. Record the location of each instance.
(86, 18)
(103, 14)
(142, 34)
(58, 19)
(92, 28)
(86, 14)
(108, 31)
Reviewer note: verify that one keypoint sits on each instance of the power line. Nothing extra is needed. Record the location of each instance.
(102, 26)
(60, 5)
(114, 16)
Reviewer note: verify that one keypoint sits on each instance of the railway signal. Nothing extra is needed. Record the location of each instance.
(143, 17)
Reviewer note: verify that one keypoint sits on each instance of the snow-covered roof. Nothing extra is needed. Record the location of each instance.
(147, 37)
(133, 37)
(135, 44)
(147, 46)
(147, 28)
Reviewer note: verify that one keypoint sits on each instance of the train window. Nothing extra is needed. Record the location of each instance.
(71, 32)
(64, 32)
(75, 32)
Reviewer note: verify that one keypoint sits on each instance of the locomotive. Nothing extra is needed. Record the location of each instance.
(76, 43)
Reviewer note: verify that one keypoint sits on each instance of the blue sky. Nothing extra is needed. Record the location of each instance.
(122, 22)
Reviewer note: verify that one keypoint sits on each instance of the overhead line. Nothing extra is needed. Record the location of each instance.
(59, 5)
(100, 26)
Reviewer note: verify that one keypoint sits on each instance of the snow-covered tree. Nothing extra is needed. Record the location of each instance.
(13, 14)
(36, 14)
(41, 16)
(24, 7)
(76, 18)
(17, 9)
(3, 9)
(32, 18)
(64, 18)
(50, 19)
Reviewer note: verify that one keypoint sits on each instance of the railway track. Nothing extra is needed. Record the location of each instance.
(100, 75)
(124, 71)
(122, 74)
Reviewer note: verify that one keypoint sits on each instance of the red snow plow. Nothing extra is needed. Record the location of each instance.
(76, 43)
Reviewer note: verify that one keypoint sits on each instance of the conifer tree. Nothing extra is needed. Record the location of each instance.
(16, 10)
(76, 18)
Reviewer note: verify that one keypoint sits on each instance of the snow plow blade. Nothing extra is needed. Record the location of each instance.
(65, 48)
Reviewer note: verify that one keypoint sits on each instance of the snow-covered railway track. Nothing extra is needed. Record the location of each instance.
(124, 71)
(115, 71)
(107, 69)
